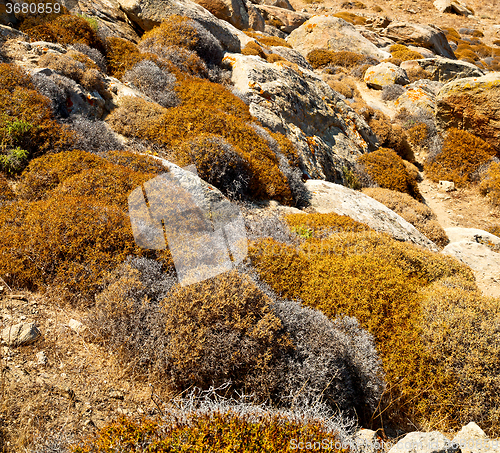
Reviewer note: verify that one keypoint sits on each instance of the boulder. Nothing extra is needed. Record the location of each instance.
(473, 104)
(292, 55)
(5, 17)
(328, 134)
(367, 441)
(284, 19)
(472, 439)
(457, 234)
(420, 95)
(446, 186)
(433, 442)
(285, 4)
(479, 257)
(333, 33)
(383, 74)
(428, 36)
(375, 38)
(326, 197)
(426, 53)
(146, 14)
(453, 7)
(232, 11)
(273, 31)
(255, 19)
(20, 334)
(11, 33)
(445, 69)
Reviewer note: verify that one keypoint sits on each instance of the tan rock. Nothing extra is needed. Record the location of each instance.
(20, 334)
(333, 33)
(445, 69)
(284, 19)
(383, 74)
(255, 19)
(232, 11)
(473, 104)
(453, 7)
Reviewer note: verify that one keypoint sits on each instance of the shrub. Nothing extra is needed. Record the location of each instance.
(353, 4)
(48, 87)
(65, 29)
(392, 92)
(136, 162)
(183, 32)
(402, 53)
(414, 212)
(226, 430)
(377, 280)
(253, 48)
(156, 83)
(93, 136)
(416, 74)
(459, 331)
(13, 160)
(322, 57)
(491, 184)
(122, 55)
(322, 225)
(351, 18)
(270, 41)
(6, 193)
(217, 163)
(461, 155)
(93, 54)
(12, 76)
(387, 169)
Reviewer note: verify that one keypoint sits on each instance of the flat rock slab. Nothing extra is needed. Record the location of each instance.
(457, 234)
(20, 334)
(417, 442)
(327, 197)
(481, 259)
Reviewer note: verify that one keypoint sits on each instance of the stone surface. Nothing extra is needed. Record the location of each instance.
(76, 325)
(383, 74)
(11, 33)
(328, 197)
(472, 439)
(333, 33)
(472, 104)
(285, 4)
(446, 186)
(420, 95)
(292, 55)
(479, 257)
(328, 134)
(428, 36)
(20, 334)
(457, 234)
(233, 11)
(445, 69)
(146, 14)
(367, 441)
(453, 7)
(284, 19)
(255, 19)
(433, 442)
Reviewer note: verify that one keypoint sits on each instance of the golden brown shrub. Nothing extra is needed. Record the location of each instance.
(270, 41)
(323, 57)
(274, 57)
(387, 169)
(491, 183)
(414, 212)
(402, 53)
(12, 76)
(351, 18)
(122, 55)
(461, 155)
(6, 192)
(253, 48)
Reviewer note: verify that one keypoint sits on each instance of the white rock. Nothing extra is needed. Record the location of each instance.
(457, 234)
(472, 439)
(76, 325)
(417, 442)
(446, 186)
(480, 258)
(20, 334)
(41, 358)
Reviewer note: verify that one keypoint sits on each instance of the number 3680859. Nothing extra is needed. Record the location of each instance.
(33, 8)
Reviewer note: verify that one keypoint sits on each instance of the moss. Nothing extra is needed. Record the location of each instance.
(387, 169)
(461, 155)
(402, 53)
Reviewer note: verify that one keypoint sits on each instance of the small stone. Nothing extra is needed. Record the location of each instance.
(21, 334)
(76, 325)
(116, 394)
(41, 358)
(446, 186)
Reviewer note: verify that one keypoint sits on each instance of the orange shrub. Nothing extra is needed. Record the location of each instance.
(322, 57)
(12, 76)
(351, 18)
(122, 55)
(387, 169)
(491, 183)
(402, 53)
(6, 193)
(461, 155)
(320, 225)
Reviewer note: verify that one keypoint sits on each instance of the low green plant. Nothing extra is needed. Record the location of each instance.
(13, 160)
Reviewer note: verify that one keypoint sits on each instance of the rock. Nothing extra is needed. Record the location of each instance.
(472, 104)
(328, 134)
(292, 55)
(232, 11)
(380, 22)
(273, 31)
(472, 439)
(20, 334)
(118, 91)
(375, 38)
(41, 358)
(445, 69)
(453, 7)
(428, 36)
(426, 53)
(116, 394)
(420, 95)
(5, 17)
(284, 19)
(383, 74)
(76, 325)
(146, 14)
(285, 4)
(255, 19)
(327, 197)
(446, 186)
(457, 234)
(367, 441)
(479, 257)
(433, 442)
(333, 33)
(11, 33)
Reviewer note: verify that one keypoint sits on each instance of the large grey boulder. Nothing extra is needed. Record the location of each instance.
(472, 104)
(146, 14)
(453, 7)
(326, 197)
(11, 33)
(445, 69)
(20, 334)
(284, 19)
(328, 134)
(428, 36)
(384, 74)
(333, 33)
(418, 442)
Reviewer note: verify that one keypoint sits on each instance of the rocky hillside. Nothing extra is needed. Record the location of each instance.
(339, 159)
